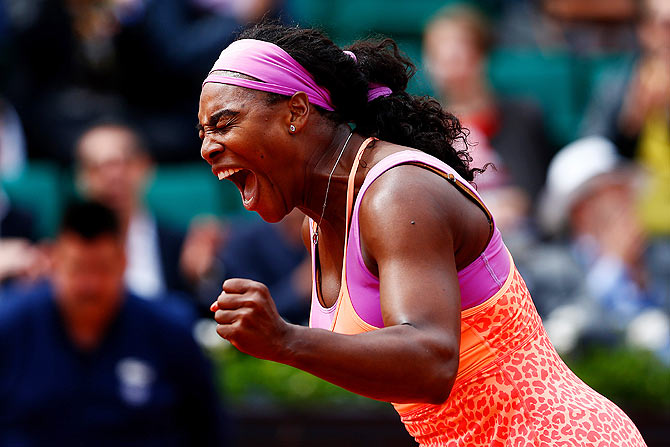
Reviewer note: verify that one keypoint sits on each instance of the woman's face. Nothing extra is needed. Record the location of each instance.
(246, 141)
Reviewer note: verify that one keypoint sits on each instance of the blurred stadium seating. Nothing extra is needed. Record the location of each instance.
(559, 82)
(176, 194)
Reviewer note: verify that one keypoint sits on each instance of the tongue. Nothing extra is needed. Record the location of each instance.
(249, 190)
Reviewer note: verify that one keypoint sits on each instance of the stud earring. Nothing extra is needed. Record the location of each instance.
(291, 128)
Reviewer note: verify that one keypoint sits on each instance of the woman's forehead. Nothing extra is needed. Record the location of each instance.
(215, 97)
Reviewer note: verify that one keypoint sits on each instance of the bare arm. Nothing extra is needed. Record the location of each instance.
(415, 357)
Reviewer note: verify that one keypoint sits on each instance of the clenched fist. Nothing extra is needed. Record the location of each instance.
(247, 317)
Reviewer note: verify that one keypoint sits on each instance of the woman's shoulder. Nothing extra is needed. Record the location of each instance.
(402, 181)
(387, 155)
(410, 187)
(396, 168)
(398, 190)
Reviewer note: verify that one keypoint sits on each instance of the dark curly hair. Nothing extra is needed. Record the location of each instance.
(400, 118)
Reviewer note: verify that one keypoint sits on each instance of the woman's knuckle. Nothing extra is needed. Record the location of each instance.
(252, 302)
(259, 287)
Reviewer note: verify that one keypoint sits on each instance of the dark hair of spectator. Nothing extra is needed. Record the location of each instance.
(400, 118)
(90, 220)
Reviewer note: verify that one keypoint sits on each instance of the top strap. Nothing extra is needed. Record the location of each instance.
(350, 184)
(433, 164)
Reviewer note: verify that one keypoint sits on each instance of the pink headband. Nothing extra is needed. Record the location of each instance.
(377, 90)
(276, 70)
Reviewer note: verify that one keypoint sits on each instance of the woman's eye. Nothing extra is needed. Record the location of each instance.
(227, 125)
(212, 130)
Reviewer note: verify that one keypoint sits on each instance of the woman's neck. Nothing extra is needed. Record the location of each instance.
(327, 175)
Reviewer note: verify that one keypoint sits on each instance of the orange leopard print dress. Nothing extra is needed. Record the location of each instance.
(511, 389)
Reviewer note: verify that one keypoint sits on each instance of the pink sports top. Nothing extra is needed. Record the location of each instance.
(478, 281)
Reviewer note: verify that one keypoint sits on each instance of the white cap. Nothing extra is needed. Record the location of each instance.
(569, 172)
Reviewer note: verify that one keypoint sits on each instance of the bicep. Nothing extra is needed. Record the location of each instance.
(406, 236)
(419, 290)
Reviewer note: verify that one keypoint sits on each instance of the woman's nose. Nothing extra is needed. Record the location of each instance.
(209, 150)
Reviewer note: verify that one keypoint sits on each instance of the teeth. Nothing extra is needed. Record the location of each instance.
(227, 173)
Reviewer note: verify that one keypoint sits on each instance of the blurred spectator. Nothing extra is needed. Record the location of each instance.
(632, 108)
(506, 132)
(113, 167)
(273, 254)
(627, 97)
(63, 69)
(594, 288)
(13, 222)
(79, 61)
(579, 26)
(85, 363)
(19, 258)
(166, 54)
(12, 142)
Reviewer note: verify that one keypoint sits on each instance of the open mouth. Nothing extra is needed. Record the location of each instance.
(246, 182)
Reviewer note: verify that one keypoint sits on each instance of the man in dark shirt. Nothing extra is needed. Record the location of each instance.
(85, 363)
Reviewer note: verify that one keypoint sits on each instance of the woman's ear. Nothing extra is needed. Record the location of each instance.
(299, 108)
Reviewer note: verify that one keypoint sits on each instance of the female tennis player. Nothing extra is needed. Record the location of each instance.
(416, 300)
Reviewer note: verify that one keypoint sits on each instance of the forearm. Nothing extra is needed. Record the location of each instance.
(397, 364)
(402, 363)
